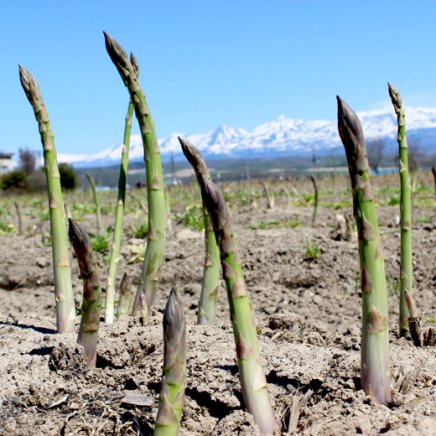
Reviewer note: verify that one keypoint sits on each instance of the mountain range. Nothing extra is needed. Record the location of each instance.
(283, 136)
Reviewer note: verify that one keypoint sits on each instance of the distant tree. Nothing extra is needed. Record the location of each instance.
(68, 176)
(27, 160)
(375, 150)
(14, 179)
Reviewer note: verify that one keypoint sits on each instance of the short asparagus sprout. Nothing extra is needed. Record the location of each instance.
(90, 321)
(414, 323)
(119, 211)
(211, 273)
(125, 300)
(315, 204)
(65, 314)
(172, 394)
(375, 364)
(406, 268)
(19, 218)
(156, 236)
(253, 381)
(270, 197)
(96, 202)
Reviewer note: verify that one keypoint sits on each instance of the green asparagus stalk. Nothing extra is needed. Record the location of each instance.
(19, 218)
(154, 254)
(125, 298)
(119, 211)
(315, 204)
(90, 321)
(406, 268)
(433, 170)
(172, 394)
(270, 197)
(375, 364)
(253, 381)
(211, 273)
(96, 201)
(414, 323)
(65, 315)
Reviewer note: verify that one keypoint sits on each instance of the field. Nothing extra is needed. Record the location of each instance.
(304, 289)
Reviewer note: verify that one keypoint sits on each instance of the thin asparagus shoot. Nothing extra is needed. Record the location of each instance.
(433, 170)
(406, 268)
(19, 218)
(211, 272)
(172, 394)
(65, 314)
(375, 364)
(253, 381)
(125, 300)
(90, 320)
(119, 211)
(154, 254)
(315, 204)
(96, 201)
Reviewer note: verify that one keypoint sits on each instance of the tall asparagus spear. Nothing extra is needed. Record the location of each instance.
(172, 394)
(154, 254)
(375, 364)
(211, 274)
(96, 202)
(406, 268)
(119, 211)
(65, 315)
(253, 381)
(90, 321)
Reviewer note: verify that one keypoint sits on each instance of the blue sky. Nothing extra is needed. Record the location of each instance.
(208, 62)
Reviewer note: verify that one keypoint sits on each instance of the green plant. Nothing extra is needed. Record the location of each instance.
(100, 243)
(119, 212)
(211, 272)
(6, 229)
(61, 262)
(96, 201)
(253, 381)
(193, 217)
(156, 236)
(375, 364)
(140, 229)
(312, 250)
(316, 201)
(90, 320)
(123, 311)
(172, 393)
(406, 268)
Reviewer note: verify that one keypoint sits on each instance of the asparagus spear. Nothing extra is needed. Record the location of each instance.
(375, 365)
(96, 201)
(253, 381)
(154, 254)
(125, 298)
(433, 170)
(315, 205)
(65, 315)
(90, 321)
(211, 273)
(406, 268)
(172, 394)
(119, 211)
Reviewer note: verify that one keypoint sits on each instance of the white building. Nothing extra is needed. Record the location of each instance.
(6, 163)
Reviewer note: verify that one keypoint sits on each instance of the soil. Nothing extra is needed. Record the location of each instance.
(308, 317)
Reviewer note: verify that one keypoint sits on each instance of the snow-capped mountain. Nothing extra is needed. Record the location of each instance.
(281, 137)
